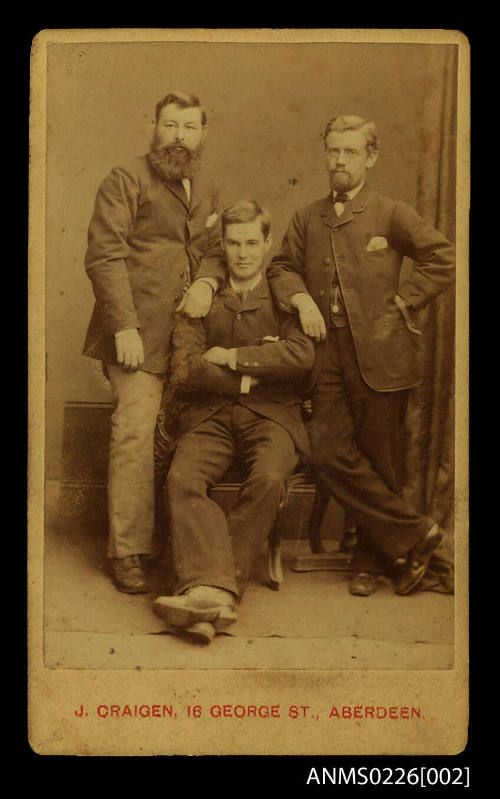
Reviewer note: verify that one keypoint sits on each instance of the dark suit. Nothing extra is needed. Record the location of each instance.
(364, 368)
(216, 421)
(318, 243)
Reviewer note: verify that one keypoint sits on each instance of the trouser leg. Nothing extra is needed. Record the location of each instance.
(378, 418)
(341, 425)
(270, 458)
(201, 547)
(379, 438)
(131, 494)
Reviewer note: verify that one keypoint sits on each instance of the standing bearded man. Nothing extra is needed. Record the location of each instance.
(340, 268)
(153, 221)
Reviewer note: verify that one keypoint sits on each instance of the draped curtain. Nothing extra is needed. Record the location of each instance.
(431, 418)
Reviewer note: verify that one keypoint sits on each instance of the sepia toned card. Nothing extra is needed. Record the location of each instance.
(309, 669)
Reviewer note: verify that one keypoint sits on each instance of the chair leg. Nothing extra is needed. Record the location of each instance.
(275, 567)
(350, 538)
(274, 560)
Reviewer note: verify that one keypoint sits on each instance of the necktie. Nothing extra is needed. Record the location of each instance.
(339, 204)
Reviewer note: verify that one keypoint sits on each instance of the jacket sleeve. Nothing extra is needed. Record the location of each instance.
(189, 372)
(286, 272)
(105, 261)
(434, 268)
(213, 263)
(291, 358)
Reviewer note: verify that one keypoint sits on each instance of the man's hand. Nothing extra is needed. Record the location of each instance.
(403, 309)
(217, 355)
(310, 316)
(129, 350)
(197, 300)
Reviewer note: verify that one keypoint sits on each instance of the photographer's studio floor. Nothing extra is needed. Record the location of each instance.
(312, 622)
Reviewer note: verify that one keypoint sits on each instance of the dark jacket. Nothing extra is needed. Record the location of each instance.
(145, 243)
(366, 245)
(282, 365)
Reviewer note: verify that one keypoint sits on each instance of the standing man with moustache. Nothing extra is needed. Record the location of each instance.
(154, 219)
(340, 268)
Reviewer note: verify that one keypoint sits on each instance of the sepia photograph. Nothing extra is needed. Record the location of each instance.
(248, 396)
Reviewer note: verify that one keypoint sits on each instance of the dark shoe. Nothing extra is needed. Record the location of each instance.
(417, 561)
(130, 576)
(363, 584)
(198, 605)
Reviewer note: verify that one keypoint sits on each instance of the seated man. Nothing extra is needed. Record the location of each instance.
(237, 376)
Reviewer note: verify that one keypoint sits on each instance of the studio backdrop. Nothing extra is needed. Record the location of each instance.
(267, 106)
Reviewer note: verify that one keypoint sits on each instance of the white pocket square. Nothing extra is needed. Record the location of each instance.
(377, 243)
(212, 219)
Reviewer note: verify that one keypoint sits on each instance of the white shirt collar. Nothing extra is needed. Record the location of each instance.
(187, 187)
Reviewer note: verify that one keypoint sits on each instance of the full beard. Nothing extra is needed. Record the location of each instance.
(340, 181)
(174, 163)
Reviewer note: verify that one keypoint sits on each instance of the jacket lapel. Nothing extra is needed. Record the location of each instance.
(199, 187)
(178, 190)
(196, 193)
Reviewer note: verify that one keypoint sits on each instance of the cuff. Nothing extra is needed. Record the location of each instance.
(212, 282)
(245, 384)
(125, 330)
(286, 304)
(231, 358)
(411, 295)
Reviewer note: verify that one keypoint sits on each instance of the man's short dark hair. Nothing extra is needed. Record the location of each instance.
(246, 211)
(183, 101)
(342, 123)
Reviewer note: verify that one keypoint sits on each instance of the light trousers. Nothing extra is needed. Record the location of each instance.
(131, 489)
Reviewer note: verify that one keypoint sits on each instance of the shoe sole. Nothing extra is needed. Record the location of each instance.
(204, 632)
(126, 589)
(421, 570)
(408, 588)
(181, 616)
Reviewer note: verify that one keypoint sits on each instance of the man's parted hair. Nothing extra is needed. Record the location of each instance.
(246, 211)
(340, 124)
(183, 101)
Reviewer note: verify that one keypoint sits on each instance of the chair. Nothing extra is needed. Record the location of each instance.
(302, 510)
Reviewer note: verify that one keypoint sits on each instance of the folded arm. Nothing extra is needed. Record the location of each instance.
(288, 359)
(190, 372)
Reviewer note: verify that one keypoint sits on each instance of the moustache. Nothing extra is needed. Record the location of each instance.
(175, 149)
